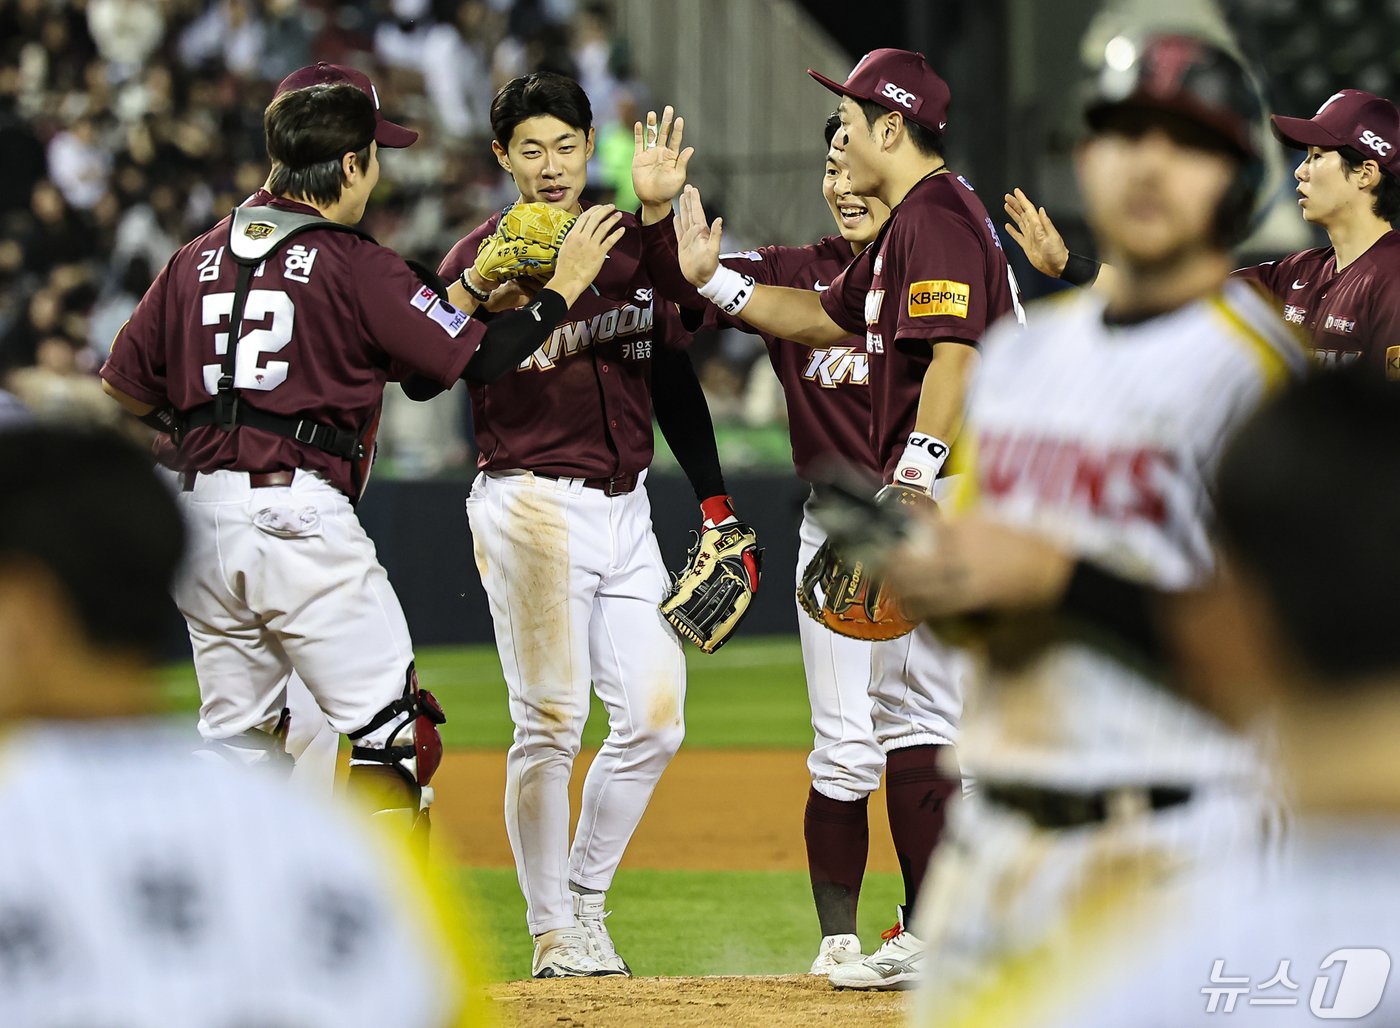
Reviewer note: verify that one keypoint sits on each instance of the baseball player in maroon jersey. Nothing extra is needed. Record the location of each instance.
(827, 390)
(277, 431)
(561, 527)
(1345, 295)
(922, 293)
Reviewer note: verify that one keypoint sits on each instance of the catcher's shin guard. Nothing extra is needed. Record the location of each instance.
(396, 754)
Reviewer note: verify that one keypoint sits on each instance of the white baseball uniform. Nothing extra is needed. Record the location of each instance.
(1102, 437)
(140, 886)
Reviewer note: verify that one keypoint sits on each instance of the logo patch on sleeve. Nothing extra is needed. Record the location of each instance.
(939, 297)
(423, 299)
(450, 318)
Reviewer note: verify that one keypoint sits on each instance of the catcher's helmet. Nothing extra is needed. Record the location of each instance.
(1199, 81)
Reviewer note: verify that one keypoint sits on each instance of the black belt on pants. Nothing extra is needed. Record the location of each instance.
(1052, 808)
(617, 485)
(256, 479)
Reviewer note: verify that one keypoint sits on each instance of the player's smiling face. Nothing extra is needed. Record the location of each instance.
(856, 147)
(858, 218)
(548, 159)
(1152, 185)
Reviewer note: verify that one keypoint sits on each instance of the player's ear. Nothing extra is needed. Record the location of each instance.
(348, 165)
(588, 145)
(502, 158)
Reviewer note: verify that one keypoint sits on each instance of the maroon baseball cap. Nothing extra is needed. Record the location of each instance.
(386, 133)
(899, 80)
(1367, 123)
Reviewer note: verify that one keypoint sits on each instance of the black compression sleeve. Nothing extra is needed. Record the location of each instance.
(1116, 605)
(684, 417)
(1080, 270)
(514, 335)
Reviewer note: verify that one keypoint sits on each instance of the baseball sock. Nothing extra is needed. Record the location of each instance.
(838, 839)
(920, 782)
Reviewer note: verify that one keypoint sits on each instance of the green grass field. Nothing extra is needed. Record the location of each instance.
(749, 695)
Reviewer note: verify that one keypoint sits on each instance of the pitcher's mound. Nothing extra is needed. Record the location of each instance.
(780, 1001)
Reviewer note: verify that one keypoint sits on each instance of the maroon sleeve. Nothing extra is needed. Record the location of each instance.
(137, 364)
(1265, 274)
(940, 275)
(409, 321)
(1382, 326)
(844, 302)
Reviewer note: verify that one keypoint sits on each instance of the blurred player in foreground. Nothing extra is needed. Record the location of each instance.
(1304, 634)
(1098, 429)
(562, 532)
(1346, 295)
(827, 390)
(138, 884)
(922, 293)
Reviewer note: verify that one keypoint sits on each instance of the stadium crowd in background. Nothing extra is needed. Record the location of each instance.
(129, 126)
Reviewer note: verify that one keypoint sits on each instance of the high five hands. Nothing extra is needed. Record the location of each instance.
(659, 162)
(697, 240)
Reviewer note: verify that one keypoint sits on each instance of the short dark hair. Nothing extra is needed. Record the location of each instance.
(927, 141)
(85, 505)
(1327, 557)
(833, 126)
(308, 131)
(536, 95)
(1385, 200)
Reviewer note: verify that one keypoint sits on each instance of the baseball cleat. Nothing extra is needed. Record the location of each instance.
(836, 950)
(563, 953)
(897, 964)
(589, 913)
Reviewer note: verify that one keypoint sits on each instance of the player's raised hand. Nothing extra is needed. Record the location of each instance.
(659, 161)
(1036, 234)
(697, 241)
(596, 231)
(516, 293)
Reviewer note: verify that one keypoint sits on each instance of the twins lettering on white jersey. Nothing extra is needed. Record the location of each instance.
(1105, 482)
(835, 365)
(576, 336)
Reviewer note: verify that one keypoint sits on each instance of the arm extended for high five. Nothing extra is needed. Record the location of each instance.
(795, 314)
(1045, 248)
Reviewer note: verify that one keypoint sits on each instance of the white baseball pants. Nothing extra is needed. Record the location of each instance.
(285, 578)
(574, 578)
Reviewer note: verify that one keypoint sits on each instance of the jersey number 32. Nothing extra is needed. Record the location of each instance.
(248, 372)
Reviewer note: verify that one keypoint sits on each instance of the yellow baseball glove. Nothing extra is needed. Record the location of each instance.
(525, 244)
(712, 593)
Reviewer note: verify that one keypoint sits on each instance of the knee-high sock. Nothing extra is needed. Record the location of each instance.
(838, 840)
(920, 782)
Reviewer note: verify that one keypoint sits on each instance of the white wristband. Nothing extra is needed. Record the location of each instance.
(922, 460)
(728, 290)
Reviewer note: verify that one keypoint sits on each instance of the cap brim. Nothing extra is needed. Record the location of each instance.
(397, 137)
(836, 87)
(1301, 133)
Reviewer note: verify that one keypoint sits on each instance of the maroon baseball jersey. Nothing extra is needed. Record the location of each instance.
(1351, 315)
(936, 271)
(329, 319)
(827, 388)
(580, 405)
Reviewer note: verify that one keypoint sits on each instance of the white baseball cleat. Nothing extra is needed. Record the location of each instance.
(563, 953)
(898, 964)
(589, 913)
(836, 950)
